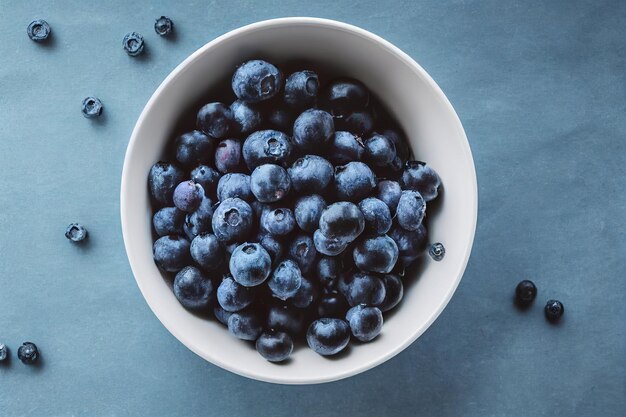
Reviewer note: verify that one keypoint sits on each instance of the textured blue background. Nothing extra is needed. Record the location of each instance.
(541, 89)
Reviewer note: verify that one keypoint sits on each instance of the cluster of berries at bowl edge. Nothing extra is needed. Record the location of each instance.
(290, 211)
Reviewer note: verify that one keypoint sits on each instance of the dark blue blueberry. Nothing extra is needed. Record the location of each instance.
(437, 251)
(354, 181)
(310, 174)
(278, 222)
(399, 140)
(377, 216)
(232, 220)
(363, 288)
(376, 254)
(162, 180)
(525, 292)
(228, 156)
(163, 26)
(4, 352)
(286, 280)
(330, 246)
(234, 185)
(301, 89)
(365, 322)
(422, 178)
(246, 117)
(302, 250)
(360, 123)
(92, 107)
(411, 210)
(332, 304)
(312, 130)
(279, 119)
(266, 147)
(410, 244)
(28, 353)
(394, 291)
(200, 220)
(256, 80)
(207, 252)
(168, 221)
(274, 346)
(342, 220)
(306, 295)
(285, 318)
(171, 253)
(379, 150)
(308, 210)
(272, 246)
(344, 96)
(389, 192)
(553, 310)
(192, 288)
(328, 336)
(250, 264)
(327, 271)
(233, 296)
(270, 183)
(38, 30)
(220, 314)
(188, 195)
(133, 43)
(215, 119)
(344, 148)
(194, 148)
(76, 232)
(245, 325)
(207, 177)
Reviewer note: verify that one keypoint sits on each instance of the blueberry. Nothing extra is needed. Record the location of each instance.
(250, 264)
(301, 89)
(192, 288)
(360, 122)
(278, 222)
(308, 210)
(28, 353)
(163, 26)
(233, 296)
(312, 130)
(256, 80)
(162, 180)
(376, 214)
(171, 253)
(38, 30)
(133, 43)
(330, 246)
(266, 147)
(327, 271)
(274, 346)
(525, 292)
(220, 314)
(188, 195)
(168, 221)
(553, 310)
(332, 304)
(286, 280)
(354, 181)
(399, 140)
(206, 251)
(310, 174)
(344, 148)
(302, 250)
(342, 220)
(270, 183)
(376, 254)
(246, 117)
(194, 148)
(215, 119)
(207, 177)
(245, 325)
(279, 119)
(365, 322)
(365, 289)
(437, 251)
(394, 291)
(92, 107)
(76, 232)
(232, 220)
(306, 295)
(411, 210)
(200, 220)
(285, 318)
(379, 150)
(389, 192)
(4, 352)
(422, 178)
(234, 185)
(328, 336)
(343, 96)
(411, 244)
(228, 156)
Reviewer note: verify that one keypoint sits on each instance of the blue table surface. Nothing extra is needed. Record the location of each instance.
(540, 87)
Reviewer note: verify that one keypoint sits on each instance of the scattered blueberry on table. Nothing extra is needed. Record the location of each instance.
(92, 107)
(4, 352)
(38, 30)
(163, 26)
(76, 232)
(525, 292)
(28, 353)
(553, 310)
(133, 43)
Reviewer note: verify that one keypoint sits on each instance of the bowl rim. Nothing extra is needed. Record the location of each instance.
(419, 71)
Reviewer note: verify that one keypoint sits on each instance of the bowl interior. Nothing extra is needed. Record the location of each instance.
(435, 135)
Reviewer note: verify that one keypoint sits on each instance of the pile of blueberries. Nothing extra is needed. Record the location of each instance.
(292, 211)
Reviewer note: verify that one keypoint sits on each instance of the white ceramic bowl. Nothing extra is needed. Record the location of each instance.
(436, 136)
